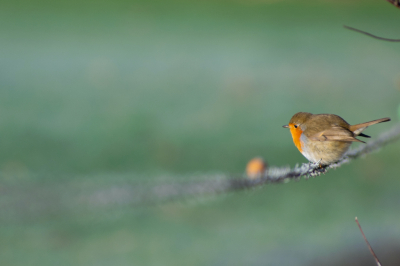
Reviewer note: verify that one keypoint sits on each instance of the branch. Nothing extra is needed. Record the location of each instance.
(369, 246)
(221, 183)
(44, 198)
(371, 35)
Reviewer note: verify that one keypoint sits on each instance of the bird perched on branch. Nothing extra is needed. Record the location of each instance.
(325, 138)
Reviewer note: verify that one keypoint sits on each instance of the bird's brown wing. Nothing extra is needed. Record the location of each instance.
(335, 133)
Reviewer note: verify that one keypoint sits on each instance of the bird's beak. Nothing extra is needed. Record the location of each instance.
(285, 126)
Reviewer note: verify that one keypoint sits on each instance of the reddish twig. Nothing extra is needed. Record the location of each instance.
(371, 35)
(369, 246)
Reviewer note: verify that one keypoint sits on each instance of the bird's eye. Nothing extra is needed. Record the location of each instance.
(295, 126)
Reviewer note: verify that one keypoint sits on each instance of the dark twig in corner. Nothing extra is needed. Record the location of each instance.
(396, 3)
(371, 35)
(369, 246)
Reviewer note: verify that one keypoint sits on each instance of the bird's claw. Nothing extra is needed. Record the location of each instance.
(317, 164)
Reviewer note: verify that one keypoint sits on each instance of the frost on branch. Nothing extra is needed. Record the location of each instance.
(202, 185)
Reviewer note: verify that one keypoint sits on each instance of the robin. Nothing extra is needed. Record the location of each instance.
(324, 138)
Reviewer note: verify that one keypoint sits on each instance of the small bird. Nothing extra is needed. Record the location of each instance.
(325, 138)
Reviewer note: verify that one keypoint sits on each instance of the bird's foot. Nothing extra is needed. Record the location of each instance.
(317, 164)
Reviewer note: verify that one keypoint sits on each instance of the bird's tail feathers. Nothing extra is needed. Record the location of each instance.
(357, 129)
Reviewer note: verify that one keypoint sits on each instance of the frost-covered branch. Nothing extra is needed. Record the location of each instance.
(223, 183)
(89, 193)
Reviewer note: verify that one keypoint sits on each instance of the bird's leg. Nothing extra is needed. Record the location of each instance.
(318, 163)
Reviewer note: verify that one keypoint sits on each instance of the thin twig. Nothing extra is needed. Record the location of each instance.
(369, 246)
(371, 35)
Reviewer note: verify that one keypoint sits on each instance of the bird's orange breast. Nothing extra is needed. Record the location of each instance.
(296, 133)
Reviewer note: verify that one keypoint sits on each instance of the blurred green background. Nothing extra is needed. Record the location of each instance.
(95, 95)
